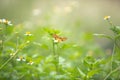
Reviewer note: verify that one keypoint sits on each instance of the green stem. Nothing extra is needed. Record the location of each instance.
(20, 48)
(17, 42)
(1, 46)
(2, 43)
(56, 57)
(10, 58)
(112, 72)
(54, 49)
(113, 52)
(1, 40)
(110, 22)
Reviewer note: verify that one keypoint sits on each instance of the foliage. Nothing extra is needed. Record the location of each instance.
(48, 54)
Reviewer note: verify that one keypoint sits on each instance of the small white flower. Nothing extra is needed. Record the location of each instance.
(20, 58)
(9, 23)
(107, 17)
(30, 62)
(28, 34)
(55, 40)
(5, 21)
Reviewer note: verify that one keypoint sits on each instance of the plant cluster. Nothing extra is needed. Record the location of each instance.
(45, 54)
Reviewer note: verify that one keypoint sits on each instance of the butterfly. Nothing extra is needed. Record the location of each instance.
(58, 38)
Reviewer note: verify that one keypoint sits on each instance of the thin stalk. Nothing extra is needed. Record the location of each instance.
(110, 22)
(56, 57)
(3, 37)
(54, 49)
(20, 48)
(113, 52)
(112, 72)
(2, 42)
(10, 58)
(1, 46)
(17, 43)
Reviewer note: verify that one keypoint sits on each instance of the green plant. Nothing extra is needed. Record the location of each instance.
(115, 51)
(45, 55)
(11, 43)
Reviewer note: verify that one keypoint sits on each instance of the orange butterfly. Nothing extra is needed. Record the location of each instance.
(58, 38)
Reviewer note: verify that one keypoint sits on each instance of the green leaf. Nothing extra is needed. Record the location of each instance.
(98, 62)
(81, 72)
(91, 73)
(86, 63)
(51, 31)
(103, 35)
(116, 29)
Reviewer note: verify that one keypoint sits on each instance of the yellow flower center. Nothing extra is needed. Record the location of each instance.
(106, 17)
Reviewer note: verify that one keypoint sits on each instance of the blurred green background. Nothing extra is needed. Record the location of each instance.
(73, 16)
